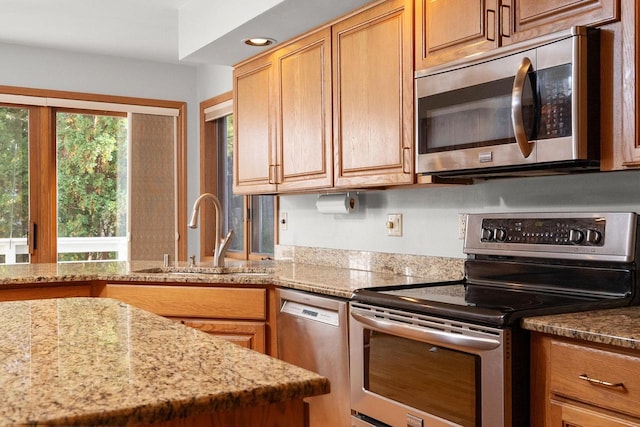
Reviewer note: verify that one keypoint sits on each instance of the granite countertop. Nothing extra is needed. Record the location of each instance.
(321, 279)
(618, 326)
(94, 361)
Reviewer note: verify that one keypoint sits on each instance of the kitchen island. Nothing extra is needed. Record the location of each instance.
(98, 361)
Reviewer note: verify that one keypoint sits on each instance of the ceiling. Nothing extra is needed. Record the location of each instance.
(149, 29)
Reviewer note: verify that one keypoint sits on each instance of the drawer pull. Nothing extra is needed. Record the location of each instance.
(586, 377)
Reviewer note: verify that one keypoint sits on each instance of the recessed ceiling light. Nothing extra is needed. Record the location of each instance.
(259, 41)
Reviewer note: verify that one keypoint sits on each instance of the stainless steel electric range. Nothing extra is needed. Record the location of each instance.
(452, 353)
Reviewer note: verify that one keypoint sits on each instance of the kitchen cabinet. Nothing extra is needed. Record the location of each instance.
(51, 290)
(373, 97)
(254, 127)
(532, 18)
(236, 314)
(450, 29)
(304, 146)
(446, 30)
(576, 383)
(283, 118)
(620, 96)
(330, 109)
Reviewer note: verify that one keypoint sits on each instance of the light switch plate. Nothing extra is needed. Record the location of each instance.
(394, 225)
(283, 221)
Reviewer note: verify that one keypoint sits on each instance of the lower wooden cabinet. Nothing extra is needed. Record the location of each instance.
(580, 384)
(570, 414)
(247, 334)
(239, 315)
(34, 291)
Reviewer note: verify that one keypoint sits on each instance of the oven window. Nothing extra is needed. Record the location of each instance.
(436, 380)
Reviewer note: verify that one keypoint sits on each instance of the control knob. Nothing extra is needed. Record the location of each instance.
(487, 234)
(499, 235)
(576, 236)
(593, 237)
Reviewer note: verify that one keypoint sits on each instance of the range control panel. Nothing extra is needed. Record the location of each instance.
(608, 236)
(547, 231)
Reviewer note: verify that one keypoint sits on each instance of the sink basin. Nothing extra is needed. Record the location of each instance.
(253, 271)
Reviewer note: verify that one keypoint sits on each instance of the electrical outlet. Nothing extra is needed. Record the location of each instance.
(283, 221)
(462, 225)
(394, 225)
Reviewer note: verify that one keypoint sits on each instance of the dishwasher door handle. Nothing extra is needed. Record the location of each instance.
(431, 336)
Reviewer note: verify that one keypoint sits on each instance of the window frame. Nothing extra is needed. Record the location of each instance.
(42, 159)
(209, 184)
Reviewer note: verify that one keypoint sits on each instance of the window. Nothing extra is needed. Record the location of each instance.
(251, 217)
(82, 177)
(92, 186)
(14, 184)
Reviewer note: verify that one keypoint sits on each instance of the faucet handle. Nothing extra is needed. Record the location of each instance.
(192, 261)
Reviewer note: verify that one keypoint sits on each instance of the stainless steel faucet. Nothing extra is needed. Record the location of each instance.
(219, 245)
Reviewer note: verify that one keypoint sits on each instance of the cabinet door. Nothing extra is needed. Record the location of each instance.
(533, 18)
(450, 29)
(304, 113)
(250, 335)
(373, 96)
(568, 415)
(254, 157)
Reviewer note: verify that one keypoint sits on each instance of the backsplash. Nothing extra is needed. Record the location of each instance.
(436, 268)
(430, 215)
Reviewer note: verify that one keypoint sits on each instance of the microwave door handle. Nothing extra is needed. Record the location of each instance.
(423, 334)
(517, 119)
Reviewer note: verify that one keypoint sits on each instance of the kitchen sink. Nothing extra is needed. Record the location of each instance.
(245, 271)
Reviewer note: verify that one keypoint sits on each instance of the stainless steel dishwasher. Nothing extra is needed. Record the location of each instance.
(312, 334)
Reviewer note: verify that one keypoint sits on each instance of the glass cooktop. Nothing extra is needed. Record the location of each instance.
(479, 303)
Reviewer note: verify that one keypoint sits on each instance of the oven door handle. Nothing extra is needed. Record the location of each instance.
(423, 334)
(517, 119)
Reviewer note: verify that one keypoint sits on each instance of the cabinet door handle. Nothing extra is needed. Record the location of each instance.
(587, 378)
(406, 159)
(272, 169)
(491, 25)
(505, 18)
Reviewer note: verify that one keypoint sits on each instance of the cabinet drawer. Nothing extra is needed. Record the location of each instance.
(191, 301)
(615, 377)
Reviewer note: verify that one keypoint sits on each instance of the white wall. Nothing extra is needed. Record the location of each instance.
(430, 215)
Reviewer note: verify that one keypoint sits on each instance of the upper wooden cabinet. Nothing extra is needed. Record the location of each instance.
(619, 90)
(532, 18)
(282, 105)
(303, 110)
(373, 97)
(254, 153)
(333, 108)
(451, 29)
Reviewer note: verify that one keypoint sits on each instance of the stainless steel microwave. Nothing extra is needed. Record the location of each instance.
(529, 109)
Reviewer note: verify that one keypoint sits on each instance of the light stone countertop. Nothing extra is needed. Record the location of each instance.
(98, 361)
(321, 279)
(618, 326)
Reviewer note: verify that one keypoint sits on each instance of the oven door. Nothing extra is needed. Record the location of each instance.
(415, 370)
